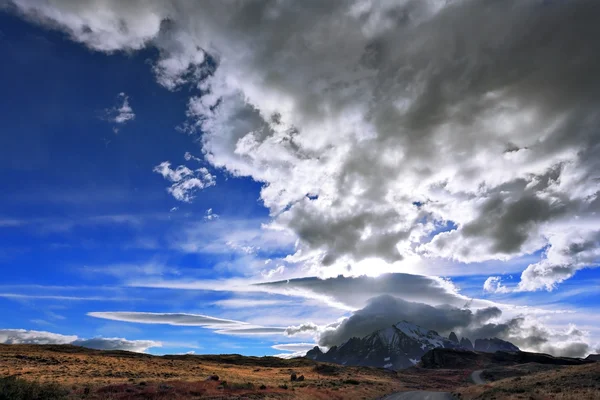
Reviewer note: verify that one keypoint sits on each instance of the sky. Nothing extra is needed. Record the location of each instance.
(261, 177)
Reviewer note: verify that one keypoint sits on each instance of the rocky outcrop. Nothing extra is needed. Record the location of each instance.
(453, 337)
(466, 344)
(315, 353)
(449, 358)
(493, 345)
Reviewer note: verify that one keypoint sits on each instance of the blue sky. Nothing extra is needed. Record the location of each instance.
(274, 174)
(80, 198)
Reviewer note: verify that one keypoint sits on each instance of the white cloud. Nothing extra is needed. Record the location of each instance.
(219, 325)
(178, 319)
(289, 356)
(248, 302)
(185, 182)
(368, 136)
(293, 347)
(209, 215)
(121, 113)
(22, 336)
(493, 284)
(21, 296)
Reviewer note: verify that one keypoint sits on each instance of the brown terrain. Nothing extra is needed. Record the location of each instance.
(539, 382)
(79, 373)
(94, 374)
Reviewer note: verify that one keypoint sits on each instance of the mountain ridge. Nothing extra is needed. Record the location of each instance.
(400, 346)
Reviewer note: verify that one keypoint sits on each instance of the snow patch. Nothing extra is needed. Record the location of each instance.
(389, 365)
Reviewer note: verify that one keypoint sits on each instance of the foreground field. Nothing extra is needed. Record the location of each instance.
(538, 382)
(93, 374)
(29, 372)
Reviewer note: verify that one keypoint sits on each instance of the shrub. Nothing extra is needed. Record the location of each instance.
(12, 388)
(352, 382)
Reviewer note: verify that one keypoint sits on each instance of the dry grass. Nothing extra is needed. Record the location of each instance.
(533, 382)
(93, 374)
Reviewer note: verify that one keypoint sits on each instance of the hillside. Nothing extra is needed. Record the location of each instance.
(540, 382)
(125, 375)
(458, 359)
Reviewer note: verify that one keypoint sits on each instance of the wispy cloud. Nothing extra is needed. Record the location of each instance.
(185, 181)
(19, 296)
(219, 325)
(249, 302)
(121, 113)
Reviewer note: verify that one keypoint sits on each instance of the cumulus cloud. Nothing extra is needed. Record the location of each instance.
(22, 336)
(371, 124)
(121, 113)
(185, 182)
(493, 284)
(307, 327)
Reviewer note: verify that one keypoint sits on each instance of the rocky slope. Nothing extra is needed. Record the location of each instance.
(493, 345)
(457, 359)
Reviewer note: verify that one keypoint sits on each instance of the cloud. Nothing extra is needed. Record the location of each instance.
(209, 215)
(138, 346)
(493, 284)
(20, 296)
(307, 327)
(232, 236)
(526, 330)
(293, 347)
(178, 319)
(289, 356)
(257, 330)
(249, 302)
(185, 182)
(219, 325)
(22, 336)
(385, 310)
(121, 113)
(355, 292)
(531, 334)
(345, 293)
(373, 124)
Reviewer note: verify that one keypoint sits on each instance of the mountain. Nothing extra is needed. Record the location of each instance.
(466, 344)
(593, 357)
(493, 345)
(453, 337)
(400, 346)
